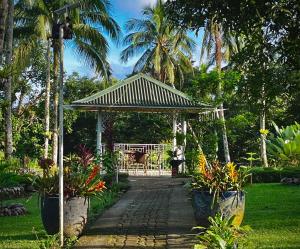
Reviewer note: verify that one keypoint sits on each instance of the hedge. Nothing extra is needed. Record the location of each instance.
(268, 175)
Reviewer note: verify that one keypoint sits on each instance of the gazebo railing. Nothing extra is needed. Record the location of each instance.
(153, 158)
(154, 161)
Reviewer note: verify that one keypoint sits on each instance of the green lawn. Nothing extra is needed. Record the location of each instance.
(21, 232)
(273, 212)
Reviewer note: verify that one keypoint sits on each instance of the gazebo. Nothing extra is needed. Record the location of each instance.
(140, 93)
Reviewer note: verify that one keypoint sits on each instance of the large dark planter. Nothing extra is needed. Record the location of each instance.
(229, 203)
(50, 213)
(175, 165)
(75, 215)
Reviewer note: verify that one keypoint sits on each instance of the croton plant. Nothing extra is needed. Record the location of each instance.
(81, 175)
(216, 177)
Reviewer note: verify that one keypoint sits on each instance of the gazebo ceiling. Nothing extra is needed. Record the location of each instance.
(139, 93)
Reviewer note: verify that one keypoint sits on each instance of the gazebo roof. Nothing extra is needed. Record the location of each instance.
(139, 93)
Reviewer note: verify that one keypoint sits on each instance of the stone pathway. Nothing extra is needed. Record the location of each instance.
(155, 213)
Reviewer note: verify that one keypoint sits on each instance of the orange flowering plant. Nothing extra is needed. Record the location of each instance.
(81, 175)
(216, 177)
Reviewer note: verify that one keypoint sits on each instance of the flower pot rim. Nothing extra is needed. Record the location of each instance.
(207, 191)
(56, 196)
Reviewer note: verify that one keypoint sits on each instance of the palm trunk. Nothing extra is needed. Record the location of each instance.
(8, 83)
(55, 104)
(21, 99)
(219, 91)
(263, 146)
(47, 102)
(195, 137)
(3, 14)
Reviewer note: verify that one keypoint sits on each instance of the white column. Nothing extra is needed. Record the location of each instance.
(60, 140)
(184, 129)
(99, 133)
(174, 131)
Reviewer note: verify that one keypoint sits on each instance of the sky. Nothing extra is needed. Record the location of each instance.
(121, 11)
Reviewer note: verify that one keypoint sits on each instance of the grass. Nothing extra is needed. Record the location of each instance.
(273, 212)
(18, 231)
(27, 232)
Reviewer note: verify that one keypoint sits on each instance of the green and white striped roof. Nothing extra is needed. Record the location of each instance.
(139, 93)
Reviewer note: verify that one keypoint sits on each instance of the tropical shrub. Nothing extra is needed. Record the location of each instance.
(285, 144)
(221, 234)
(10, 177)
(81, 175)
(109, 161)
(217, 178)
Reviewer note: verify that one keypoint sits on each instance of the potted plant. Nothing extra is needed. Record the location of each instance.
(81, 180)
(218, 188)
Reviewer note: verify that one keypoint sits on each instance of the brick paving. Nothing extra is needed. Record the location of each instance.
(155, 213)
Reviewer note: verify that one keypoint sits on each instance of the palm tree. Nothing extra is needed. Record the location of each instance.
(3, 14)
(88, 22)
(219, 46)
(166, 51)
(8, 80)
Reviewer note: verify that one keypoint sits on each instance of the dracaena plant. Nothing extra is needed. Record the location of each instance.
(81, 175)
(216, 177)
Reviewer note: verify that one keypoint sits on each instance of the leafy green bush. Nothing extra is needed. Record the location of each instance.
(191, 160)
(268, 175)
(221, 234)
(12, 164)
(10, 179)
(109, 161)
(285, 145)
(110, 179)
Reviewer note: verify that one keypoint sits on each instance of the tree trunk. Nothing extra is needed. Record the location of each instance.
(21, 99)
(8, 82)
(195, 137)
(55, 104)
(218, 56)
(263, 146)
(3, 14)
(47, 102)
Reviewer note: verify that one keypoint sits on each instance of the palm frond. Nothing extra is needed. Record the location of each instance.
(93, 58)
(132, 50)
(140, 25)
(109, 25)
(22, 54)
(92, 36)
(138, 37)
(142, 62)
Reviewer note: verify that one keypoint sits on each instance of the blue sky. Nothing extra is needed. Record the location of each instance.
(122, 11)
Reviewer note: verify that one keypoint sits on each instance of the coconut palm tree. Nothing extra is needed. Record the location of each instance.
(166, 51)
(8, 80)
(219, 46)
(89, 20)
(3, 14)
